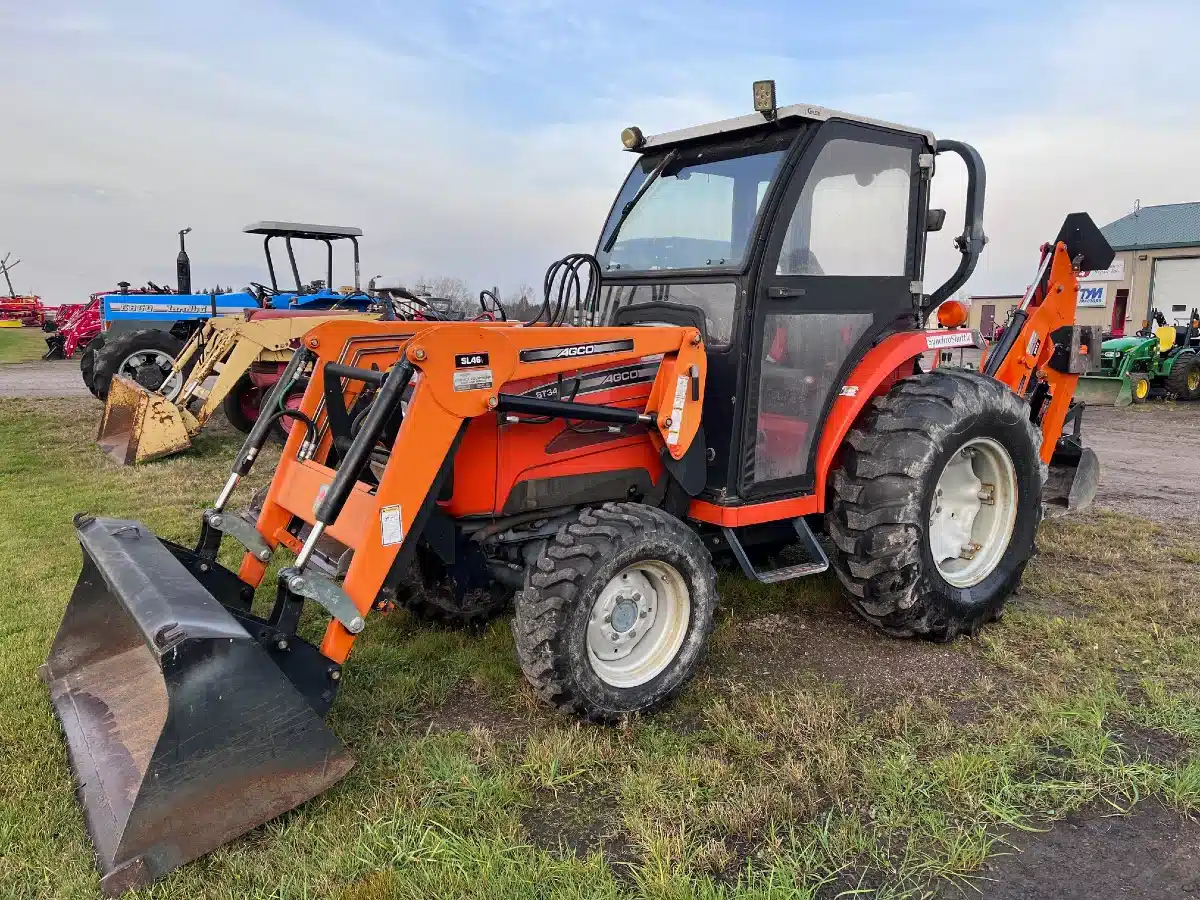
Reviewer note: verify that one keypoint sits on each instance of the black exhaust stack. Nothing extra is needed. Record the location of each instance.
(183, 266)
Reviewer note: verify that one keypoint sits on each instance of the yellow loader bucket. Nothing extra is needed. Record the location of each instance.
(140, 425)
(1103, 390)
(185, 725)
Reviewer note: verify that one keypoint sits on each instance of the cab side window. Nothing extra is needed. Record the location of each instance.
(852, 217)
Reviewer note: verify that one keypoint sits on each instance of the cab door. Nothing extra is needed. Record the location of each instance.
(837, 273)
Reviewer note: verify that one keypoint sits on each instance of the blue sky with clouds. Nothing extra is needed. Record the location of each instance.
(478, 138)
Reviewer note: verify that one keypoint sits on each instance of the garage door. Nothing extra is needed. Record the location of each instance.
(1175, 287)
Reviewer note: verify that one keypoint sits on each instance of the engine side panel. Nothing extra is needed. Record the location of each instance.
(505, 467)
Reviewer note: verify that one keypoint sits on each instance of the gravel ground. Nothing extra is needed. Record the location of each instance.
(1149, 459)
(57, 378)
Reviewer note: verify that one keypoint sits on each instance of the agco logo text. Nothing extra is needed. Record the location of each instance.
(581, 350)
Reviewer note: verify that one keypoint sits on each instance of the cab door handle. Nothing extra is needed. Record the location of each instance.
(782, 293)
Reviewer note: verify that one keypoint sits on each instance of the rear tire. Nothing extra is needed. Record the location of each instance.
(87, 363)
(1184, 380)
(649, 571)
(886, 516)
(149, 344)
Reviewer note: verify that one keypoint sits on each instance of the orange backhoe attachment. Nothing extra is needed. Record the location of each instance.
(1043, 352)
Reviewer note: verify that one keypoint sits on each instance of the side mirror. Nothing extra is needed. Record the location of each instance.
(935, 219)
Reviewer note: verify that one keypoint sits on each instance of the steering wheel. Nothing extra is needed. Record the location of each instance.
(262, 292)
(408, 305)
(495, 310)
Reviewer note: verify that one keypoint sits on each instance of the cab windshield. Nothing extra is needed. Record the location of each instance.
(699, 212)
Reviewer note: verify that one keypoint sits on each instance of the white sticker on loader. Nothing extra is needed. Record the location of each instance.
(681, 386)
(849, 390)
(938, 340)
(321, 492)
(391, 525)
(473, 380)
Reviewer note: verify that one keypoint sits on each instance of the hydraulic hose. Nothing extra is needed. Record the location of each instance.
(563, 284)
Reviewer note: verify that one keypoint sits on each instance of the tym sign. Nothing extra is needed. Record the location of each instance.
(1091, 294)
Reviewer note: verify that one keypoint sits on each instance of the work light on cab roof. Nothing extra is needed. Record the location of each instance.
(632, 137)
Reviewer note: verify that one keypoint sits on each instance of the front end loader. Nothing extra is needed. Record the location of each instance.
(229, 363)
(716, 381)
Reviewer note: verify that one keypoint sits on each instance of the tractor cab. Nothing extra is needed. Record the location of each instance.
(318, 293)
(798, 233)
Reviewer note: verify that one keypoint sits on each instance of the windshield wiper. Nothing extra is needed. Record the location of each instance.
(628, 208)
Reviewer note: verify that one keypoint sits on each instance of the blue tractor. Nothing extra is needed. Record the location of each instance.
(144, 332)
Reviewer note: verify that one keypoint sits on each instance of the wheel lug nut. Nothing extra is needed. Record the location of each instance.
(642, 614)
(615, 636)
(607, 619)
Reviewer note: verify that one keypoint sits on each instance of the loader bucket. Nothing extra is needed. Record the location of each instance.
(139, 425)
(183, 731)
(1103, 390)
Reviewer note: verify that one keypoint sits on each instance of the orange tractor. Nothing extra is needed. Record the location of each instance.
(736, 364)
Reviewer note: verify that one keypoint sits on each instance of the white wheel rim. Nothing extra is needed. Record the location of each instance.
(973, 512)
(172, 386)
(132, 364)
(638, 623)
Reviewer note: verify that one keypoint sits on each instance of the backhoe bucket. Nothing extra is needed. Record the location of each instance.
(183, 730)
(1103, 390)
(1071, 483)
(139, 425)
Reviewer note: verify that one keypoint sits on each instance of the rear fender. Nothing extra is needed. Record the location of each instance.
(882, 366)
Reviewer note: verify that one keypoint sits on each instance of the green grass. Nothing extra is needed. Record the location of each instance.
(21, 344)
(810, 756)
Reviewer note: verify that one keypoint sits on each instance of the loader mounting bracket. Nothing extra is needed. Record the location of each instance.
(241, 531)
(691, 469)
(329, 595)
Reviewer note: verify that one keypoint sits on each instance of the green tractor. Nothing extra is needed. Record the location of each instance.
(1161, 360)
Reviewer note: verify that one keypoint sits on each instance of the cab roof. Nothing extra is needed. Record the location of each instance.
(302, 230)
(758, 120)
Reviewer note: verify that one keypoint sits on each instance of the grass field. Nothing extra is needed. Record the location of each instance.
(811, 757)
(21, 344)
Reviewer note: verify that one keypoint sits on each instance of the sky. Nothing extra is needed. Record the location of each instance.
(480, 138)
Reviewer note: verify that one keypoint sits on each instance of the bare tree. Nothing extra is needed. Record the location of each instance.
(524, 303)
(448, 286)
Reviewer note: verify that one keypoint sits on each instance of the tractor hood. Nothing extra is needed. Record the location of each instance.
(1122, 344)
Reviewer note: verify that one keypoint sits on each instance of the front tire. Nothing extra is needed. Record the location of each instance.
(147, 356)
(243, 404)
(431, 592)
(87, 363)
(896, 537)
(1139, 387)
(613, 572)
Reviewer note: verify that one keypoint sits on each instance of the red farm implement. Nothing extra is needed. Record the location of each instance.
(21, 309)
(75, 326)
